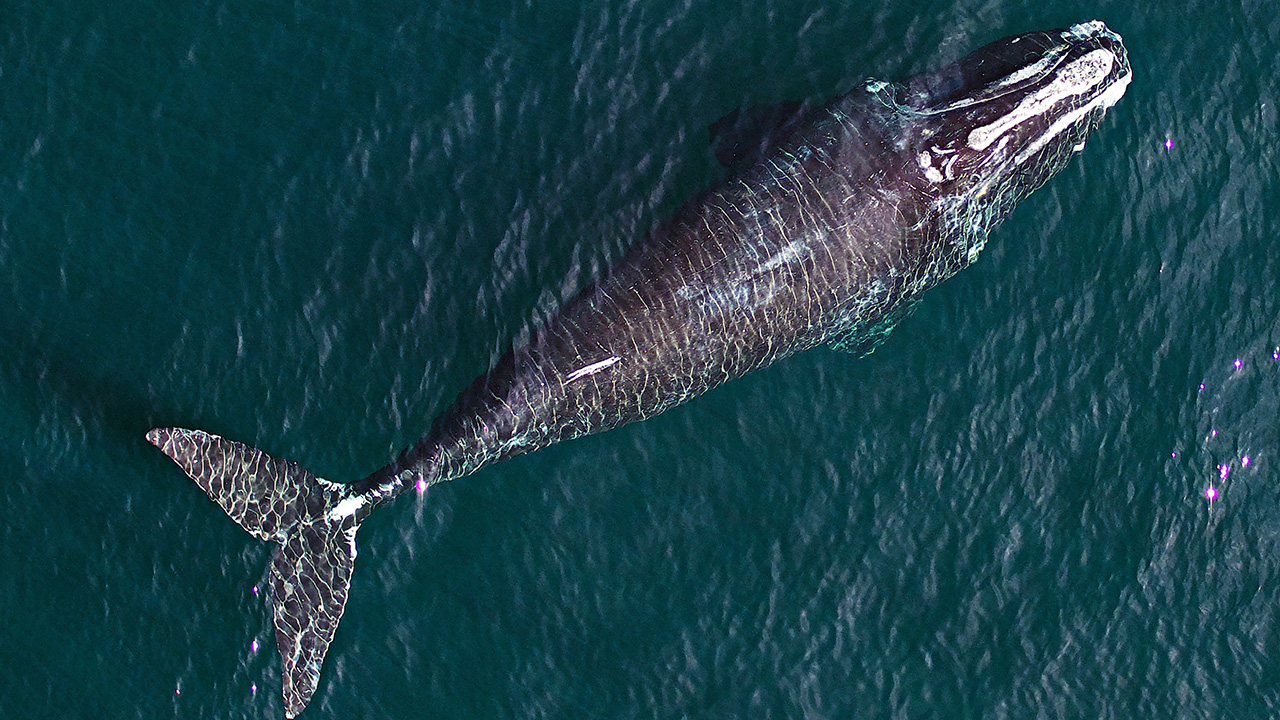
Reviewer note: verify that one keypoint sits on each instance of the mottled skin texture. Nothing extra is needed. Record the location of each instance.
(829, 231)
(848, 216)
(835, 228)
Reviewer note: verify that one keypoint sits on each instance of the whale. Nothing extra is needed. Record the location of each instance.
(832, 222)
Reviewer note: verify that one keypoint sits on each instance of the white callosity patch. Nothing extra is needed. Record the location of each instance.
(1051, 58)
(1086, 30)
(1105, 99)
(931, 173)
(1072, 80)
(928, 162)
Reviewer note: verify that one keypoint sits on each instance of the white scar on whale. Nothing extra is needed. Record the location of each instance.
(592, 369)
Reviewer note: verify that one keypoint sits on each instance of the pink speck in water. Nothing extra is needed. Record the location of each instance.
(1168, 143)
(254, 645)
(1244, 461)
(1223, 471)
(255, 589)
(421, 486)
(1211, 493)
(1238, 363)
(253, 688)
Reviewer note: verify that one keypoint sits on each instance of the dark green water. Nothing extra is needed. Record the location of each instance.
(307, 226)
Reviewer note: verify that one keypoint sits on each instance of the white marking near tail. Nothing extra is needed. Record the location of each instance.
(347, 508)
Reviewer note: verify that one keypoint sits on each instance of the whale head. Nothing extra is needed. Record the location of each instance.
(990, 128)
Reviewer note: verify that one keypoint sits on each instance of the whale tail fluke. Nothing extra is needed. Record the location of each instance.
(313, 520)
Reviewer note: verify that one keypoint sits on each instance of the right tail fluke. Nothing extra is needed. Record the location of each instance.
(314, 521)
(310, 577)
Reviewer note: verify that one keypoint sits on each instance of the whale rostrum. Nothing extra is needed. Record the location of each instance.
(825, 233)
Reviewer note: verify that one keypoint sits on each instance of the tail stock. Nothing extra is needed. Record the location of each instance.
(313, 520)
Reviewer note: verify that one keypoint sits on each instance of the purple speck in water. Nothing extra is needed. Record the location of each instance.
(1244, 461)
(254, 645)
(253, 688)
(1168, 143)
(255, 589)
(1174, 453)
(1238, 363)
(1223, 471)
(1202, 387)
(1211, 493)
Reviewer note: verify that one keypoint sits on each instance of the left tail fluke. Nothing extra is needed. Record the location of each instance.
(312, 519)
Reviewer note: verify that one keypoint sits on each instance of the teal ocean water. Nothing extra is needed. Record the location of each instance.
(309, 225)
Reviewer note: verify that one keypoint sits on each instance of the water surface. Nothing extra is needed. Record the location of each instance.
(308, 226)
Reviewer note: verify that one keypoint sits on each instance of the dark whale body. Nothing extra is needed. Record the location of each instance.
(845, 218)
